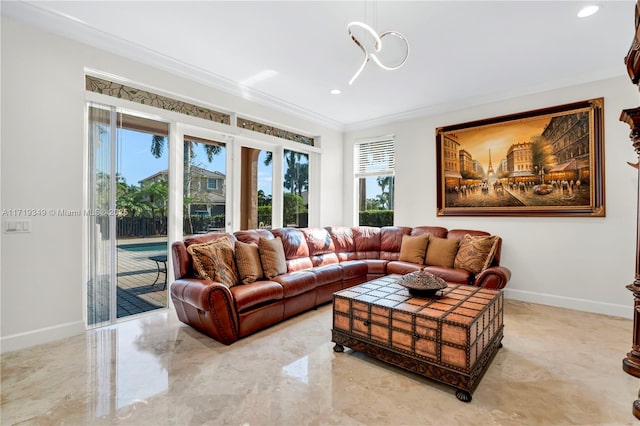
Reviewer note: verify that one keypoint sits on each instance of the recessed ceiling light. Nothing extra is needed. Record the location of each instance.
(336, 91)
(588, 11)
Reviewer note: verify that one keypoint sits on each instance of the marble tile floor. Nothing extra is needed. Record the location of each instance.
(557, 367)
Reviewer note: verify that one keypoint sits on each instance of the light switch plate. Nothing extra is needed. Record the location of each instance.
(15, 226)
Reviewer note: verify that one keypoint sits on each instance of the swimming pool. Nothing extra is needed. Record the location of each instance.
(143, 246)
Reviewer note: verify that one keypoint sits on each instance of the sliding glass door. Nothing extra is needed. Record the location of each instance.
(127, 215)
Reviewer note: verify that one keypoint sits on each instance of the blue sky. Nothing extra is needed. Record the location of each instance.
(135, 161)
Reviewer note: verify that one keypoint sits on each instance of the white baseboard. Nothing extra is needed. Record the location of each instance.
(19, 341)
(571, 303)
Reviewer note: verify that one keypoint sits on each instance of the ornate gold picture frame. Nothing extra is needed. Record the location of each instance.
(547, 162)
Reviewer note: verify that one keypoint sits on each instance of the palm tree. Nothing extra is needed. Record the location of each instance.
(385, 197)
(156, 194)
(296, 179)
(157, 147)
(268, 158)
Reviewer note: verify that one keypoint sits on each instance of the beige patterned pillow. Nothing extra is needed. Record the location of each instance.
(248, 262)
(414, 248)
(272, 257)
(441, 251)
(476, 253)
(214, 261)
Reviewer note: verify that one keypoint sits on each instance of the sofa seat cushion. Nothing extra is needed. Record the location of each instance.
(295, 283)
(249, 295)
(376, 266)
(327, 274)
(299, 264)
(354, 269)
(400, 267)
(451, 275)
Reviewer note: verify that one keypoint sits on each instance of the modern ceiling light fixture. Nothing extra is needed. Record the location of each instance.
(588, 11)
(377, 47)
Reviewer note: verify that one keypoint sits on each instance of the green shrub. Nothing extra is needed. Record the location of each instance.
(376, 218)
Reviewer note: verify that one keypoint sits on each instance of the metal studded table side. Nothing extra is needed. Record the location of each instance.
(451, 338)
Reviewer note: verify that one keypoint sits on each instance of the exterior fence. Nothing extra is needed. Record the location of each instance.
(137, 227)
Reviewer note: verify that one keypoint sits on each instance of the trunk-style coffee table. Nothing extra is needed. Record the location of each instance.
(451, 338)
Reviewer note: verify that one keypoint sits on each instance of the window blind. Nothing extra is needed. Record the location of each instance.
(375, 158)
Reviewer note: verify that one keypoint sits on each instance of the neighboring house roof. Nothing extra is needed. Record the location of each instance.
(199, 171)
(195, 171)
(213, 198)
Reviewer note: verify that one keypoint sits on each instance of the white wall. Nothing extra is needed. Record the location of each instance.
(579, 263)
(42, 135)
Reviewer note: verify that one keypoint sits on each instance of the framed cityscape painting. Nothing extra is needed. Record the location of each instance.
(547, 162)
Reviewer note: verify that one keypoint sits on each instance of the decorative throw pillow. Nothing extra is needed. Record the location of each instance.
(441, 251)
(413, 249)
(272, 257)
(476, 253)
(214, 261)
(248, 262)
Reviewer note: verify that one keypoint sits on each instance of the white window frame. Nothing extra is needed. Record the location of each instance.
(359, 171)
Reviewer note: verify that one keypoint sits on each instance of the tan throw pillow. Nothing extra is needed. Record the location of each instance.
(272, 257)
(214, 261)
(248, 262)
(476, 253)
(441, 251)
(413, 249)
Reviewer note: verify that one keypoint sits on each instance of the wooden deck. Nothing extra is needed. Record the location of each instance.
(136, 291)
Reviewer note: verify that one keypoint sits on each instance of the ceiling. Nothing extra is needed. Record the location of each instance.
(289, 55)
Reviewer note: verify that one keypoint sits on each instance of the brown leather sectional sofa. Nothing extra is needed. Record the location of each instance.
(320, 261)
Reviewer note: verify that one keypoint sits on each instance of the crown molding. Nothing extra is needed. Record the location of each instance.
(587, 77)
(54, 22)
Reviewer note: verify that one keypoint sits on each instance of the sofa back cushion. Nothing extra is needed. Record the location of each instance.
(436, 231)
(322, 250)
(343, 241)
(367, 239)
(252, 236)
(296, 250)
(391, 241)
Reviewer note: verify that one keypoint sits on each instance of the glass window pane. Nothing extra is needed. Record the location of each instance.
(375, 201)
(296, 189)
(204, 196)
(265, 189)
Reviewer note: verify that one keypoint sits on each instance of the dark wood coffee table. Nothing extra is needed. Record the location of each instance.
(451, 338)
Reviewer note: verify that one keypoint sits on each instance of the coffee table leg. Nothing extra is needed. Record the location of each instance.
(338, 348)
(463, 395)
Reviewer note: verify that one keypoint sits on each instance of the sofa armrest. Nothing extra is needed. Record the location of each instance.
(495, 277)
(207, 306)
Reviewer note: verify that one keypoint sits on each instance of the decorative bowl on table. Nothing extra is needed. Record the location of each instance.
(422, 283)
